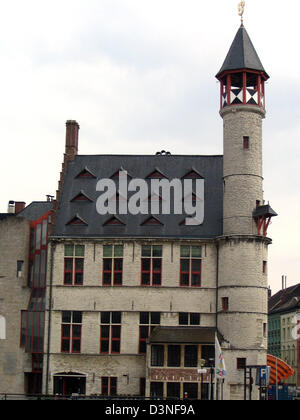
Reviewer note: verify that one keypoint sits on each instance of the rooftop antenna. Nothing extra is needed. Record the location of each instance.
(241, 10)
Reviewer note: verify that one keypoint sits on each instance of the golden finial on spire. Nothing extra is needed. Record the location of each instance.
(241, 9)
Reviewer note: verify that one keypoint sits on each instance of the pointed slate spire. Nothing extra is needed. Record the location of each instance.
(242, 55)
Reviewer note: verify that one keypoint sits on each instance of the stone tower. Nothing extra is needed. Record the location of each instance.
(242, 283)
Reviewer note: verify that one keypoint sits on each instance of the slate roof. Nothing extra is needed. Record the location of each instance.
(105, 166)
(178, 335)
(242, 54)
(35, 210)
(285, 300)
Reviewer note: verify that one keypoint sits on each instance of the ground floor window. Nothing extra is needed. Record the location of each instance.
(142, 387)
(157, 390)
(173, 390)
(33, 383)
(109, 386)
(180, 390)
(67, 384)
(190, 391)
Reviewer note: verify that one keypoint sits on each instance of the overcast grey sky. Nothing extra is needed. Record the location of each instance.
(139, 76)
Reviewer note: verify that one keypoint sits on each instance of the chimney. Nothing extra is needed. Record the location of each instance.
(19, 206)
(11, 207)
(284, 282)
(72, 132)
(269, 293)
(71, 150)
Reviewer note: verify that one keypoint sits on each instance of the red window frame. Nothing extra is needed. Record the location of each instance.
(76, 338)
(34, 251)
(246, 142)
(189, 259)
(156, 272)
(113, 271)
(104, 338)
(150, 327)
(118, 271)
(183, 272)
(196, 272)
(76, 272)
(65, 338)
(107, 272)
(225, 304)
(191, 272)
(68, 271)
(143, 340)
(265, 265)
(152, 273)
(72, 337)
(115, 338)
(109, 386)
(110, 334)
(146, 273)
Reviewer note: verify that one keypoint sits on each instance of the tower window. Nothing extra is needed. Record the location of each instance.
(246, 143)
(241, 363)
(225, 304)
(265, 265)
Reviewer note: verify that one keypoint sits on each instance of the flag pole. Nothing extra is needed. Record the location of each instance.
(216, 361)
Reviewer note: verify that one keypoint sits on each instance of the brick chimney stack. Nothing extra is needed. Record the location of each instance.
(71, 150)
(19, 206)
(72, 132)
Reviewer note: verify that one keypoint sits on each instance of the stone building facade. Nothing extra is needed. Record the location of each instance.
(23, 249)
(14, 232)
(134, 302)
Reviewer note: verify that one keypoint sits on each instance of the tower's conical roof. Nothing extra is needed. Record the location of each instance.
(242, 54)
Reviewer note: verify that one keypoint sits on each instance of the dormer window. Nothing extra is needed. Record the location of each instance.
(157, 174)
(193, 174)
(77, 221)
(152, 221)
(81, 197)
(114, 221)
(86, 173)
(119, 173)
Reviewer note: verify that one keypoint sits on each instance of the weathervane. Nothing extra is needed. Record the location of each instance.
(241, 9)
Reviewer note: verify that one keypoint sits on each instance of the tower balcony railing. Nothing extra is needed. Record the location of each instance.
(242, 88)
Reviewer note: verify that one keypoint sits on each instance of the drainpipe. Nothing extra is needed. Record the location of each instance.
(50, 314)
(217, 286)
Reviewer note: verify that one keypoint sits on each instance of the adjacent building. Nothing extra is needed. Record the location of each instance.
(23, 258)
(284, 338)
